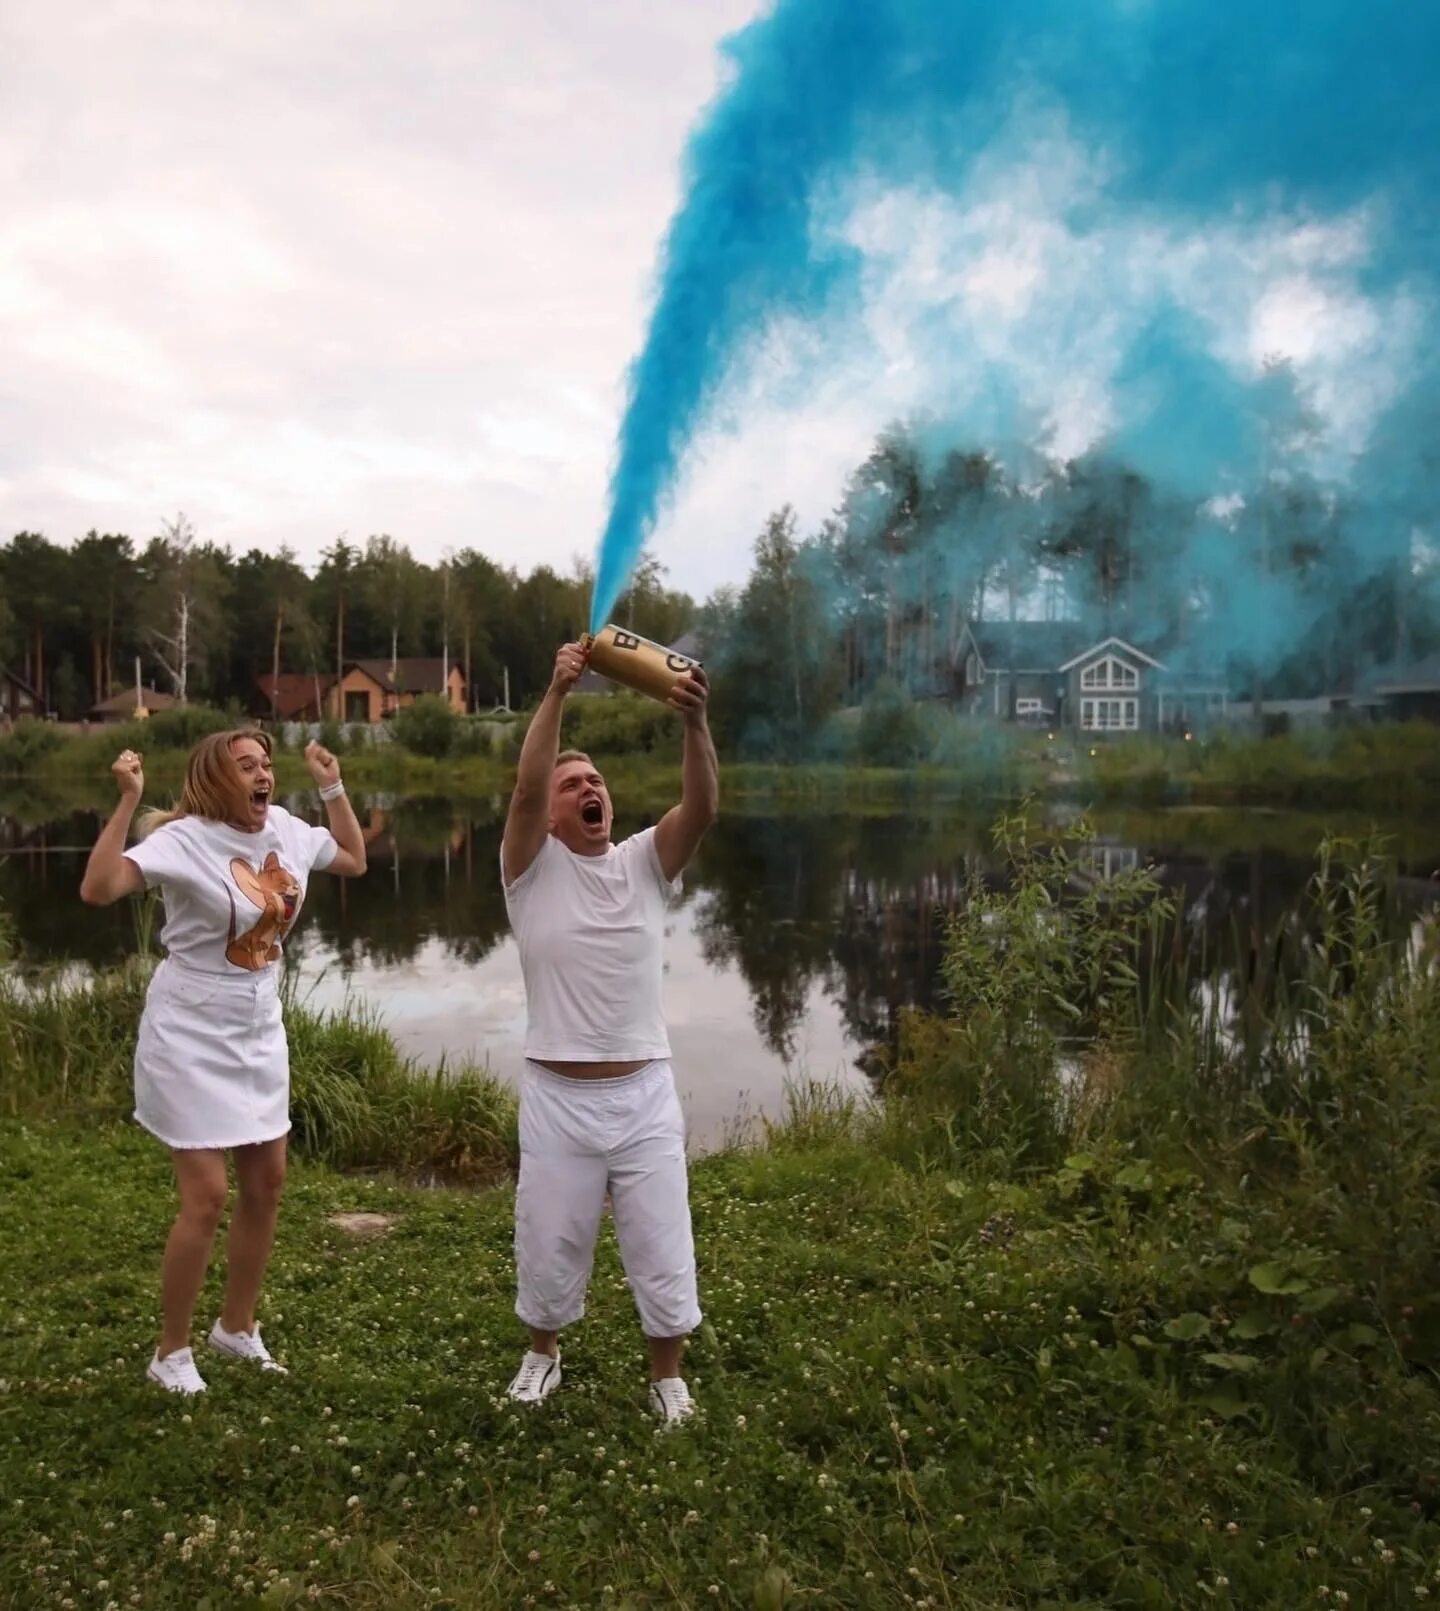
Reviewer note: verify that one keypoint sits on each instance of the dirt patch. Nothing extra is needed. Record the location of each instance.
(363, 1224)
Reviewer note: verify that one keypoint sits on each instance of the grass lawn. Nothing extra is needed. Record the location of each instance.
(917, 1390)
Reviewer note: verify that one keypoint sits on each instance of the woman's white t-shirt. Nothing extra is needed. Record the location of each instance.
(591, 933)
(231, 897)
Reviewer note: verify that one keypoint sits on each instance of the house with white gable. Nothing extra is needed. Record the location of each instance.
(1054, 674)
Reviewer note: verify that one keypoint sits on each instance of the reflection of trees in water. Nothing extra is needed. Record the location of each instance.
(848, 900)
(862, 905)
(40, 869)
(889, 940)
(433, 876)
(769, 909)
(857, 904)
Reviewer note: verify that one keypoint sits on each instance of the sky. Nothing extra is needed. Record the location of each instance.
(306, 268)
(302, 268)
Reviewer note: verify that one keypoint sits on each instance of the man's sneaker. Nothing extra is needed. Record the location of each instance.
(244, 1345)
(670, 1400)
(176, 1373)
(537, 1378)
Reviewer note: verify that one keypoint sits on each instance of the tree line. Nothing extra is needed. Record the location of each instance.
(1286, 591)
(206, 623)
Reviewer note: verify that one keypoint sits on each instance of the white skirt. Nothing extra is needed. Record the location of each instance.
(212, 1067)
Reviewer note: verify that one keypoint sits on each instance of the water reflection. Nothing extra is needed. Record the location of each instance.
(799, 941)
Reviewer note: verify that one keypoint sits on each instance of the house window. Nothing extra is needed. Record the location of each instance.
(357, 705)
(1110, 861)
(1110, 715)
(1109, 673)
(972, 670)
(1028, 707)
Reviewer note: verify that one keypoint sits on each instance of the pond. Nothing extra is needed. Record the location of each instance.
(799, 940)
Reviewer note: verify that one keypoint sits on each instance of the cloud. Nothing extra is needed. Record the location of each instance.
(300, 268)
(1016, 306)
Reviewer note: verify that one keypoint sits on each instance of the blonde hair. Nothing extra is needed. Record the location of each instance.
(566, 756)
(214, 785)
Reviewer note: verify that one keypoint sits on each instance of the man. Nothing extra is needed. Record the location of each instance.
(598, 1109)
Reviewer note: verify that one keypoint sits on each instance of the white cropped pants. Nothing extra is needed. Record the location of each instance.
(578, 1139)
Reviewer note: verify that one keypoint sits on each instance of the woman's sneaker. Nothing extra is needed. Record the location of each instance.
(244, 1345)
(176, 1373)
(537, 1378)
(670, 1400)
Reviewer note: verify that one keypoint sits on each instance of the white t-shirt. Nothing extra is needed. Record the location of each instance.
(591, 933)
(231, 897)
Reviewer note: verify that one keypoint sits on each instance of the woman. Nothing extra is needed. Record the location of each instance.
(212, 1068)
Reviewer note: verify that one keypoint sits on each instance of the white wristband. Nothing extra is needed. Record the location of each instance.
(332, 791)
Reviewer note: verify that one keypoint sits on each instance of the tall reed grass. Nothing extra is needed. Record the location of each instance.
(66, 1049)
(1082, 1016)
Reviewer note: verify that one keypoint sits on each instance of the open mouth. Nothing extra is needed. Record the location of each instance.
(592, 814)
(260, 798)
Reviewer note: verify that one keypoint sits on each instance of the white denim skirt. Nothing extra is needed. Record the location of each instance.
(212, 1066)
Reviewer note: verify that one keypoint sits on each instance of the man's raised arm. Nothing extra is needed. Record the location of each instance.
(682, 828)
(528, 820)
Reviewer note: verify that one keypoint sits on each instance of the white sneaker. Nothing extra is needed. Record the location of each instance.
(537, 1378)
(670, 1400)
(176, 1373)
(244, 1345)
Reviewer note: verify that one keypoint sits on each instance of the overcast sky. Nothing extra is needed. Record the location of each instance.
(304, 267)
(309, 267)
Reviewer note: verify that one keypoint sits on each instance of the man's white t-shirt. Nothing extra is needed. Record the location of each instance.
(231, 897)
(591, 933)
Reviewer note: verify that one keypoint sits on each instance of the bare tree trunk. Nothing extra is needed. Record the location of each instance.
(183, 635)
(339, 650)
(445, 634)
(275, 662)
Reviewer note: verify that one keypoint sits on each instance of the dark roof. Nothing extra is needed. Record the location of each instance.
(1112, 645)
(151, 698)
(1030, 645)
(295, 691)
(1418, 676)
(412, 674)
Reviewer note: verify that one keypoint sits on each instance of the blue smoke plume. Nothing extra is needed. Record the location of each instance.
(1196, 235)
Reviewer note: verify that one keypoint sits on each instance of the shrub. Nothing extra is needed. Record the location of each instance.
(428, 727)
(892, 728)
(30, 743)
(168, 730)
(484, 735)
(607, 726)
(185, 725)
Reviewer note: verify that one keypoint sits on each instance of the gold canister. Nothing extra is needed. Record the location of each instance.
(624, 657)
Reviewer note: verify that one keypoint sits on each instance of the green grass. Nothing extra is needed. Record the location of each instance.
(1394, 767)
(916, 1387)
(1161, 1333)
